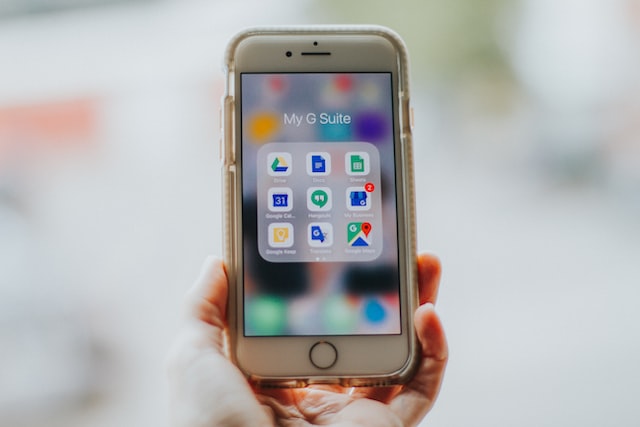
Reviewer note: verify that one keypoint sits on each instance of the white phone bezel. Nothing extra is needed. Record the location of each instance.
(363, 359)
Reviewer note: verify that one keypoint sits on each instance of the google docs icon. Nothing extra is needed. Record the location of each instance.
(318, 164)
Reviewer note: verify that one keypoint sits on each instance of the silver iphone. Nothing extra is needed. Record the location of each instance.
(319, 206)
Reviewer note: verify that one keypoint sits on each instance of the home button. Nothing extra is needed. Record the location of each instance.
(323, 355)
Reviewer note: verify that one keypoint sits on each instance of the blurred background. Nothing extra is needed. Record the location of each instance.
(527, 146)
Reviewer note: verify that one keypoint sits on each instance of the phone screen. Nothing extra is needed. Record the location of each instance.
(320, 232)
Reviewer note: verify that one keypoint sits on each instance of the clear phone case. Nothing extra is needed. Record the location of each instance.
(232, 214)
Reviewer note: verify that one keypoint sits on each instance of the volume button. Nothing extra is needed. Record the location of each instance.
(221, 132)
(411, 118)
(406, 114)
(229, 131)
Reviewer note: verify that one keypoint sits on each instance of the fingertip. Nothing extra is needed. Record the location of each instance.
(429, 266)
(426, 307)
(431, 333)
(422, 316)
(429, 272)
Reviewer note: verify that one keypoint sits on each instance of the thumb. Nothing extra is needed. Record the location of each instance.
(207, 298)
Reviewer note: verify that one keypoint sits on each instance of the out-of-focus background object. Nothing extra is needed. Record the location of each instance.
(528, 161)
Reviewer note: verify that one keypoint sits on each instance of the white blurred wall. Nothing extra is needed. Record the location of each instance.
(528, 190)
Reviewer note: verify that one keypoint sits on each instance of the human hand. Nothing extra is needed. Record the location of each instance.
(207, 389)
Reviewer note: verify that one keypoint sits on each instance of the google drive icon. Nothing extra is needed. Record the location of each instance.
(279, 164)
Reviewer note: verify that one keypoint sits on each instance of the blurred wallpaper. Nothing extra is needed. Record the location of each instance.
(527, 144)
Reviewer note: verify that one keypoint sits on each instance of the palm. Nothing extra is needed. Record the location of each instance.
(311, 407)
(208, 390)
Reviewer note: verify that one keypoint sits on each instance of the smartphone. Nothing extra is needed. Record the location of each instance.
(319, 206)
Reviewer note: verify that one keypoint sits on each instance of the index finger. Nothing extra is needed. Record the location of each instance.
(429, 271)
(418, 395)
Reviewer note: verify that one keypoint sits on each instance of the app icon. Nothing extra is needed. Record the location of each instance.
(340, 314)
(265, 315)
(318, 164)
(358, 233)
(374, 311)
(280, 199)
(280, 235)
(320, 234)
(357, 163)
(358, 199)
(319, 199)
(279, 164)
(263, 126)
